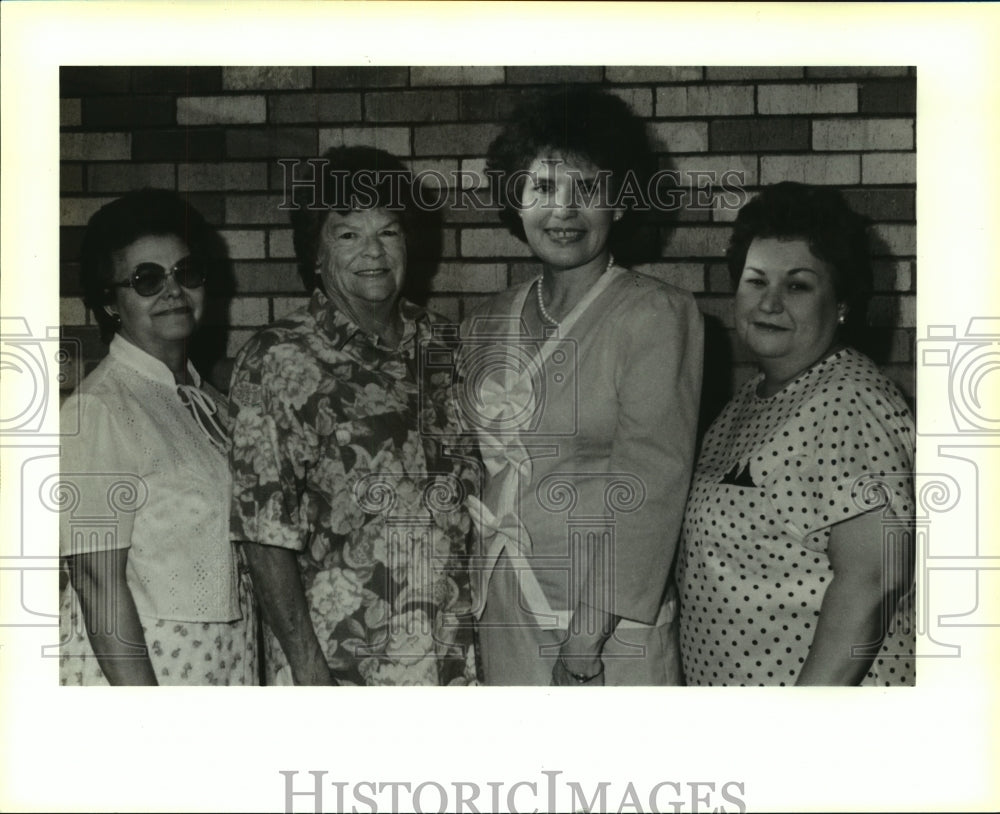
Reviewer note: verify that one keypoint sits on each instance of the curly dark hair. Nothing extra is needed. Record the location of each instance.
(576, 123)
(835, 234)
(116, 225)
(347, 178)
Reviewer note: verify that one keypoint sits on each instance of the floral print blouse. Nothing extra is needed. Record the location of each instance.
(339, 454)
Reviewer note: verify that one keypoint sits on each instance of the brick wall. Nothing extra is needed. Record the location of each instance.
(216, 135)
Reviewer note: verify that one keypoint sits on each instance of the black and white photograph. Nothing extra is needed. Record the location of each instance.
(567, 383)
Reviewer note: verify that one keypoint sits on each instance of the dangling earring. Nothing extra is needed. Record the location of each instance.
(617, 217)
(841, 319)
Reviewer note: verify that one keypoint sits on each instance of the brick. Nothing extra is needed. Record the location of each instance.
(70, 178)
(492, 243)
(69, 269)
(490, 104)
(863, 134)
(395, 140)
(270, 277)
(272, 142)
(434, 172)
(894, 239)
(854, 71)
(423, 75)
(711, 100)
(471, 208)
(77, 211)
(653, 73)
(679, 137)
(356, 76)
(320, 108)
(448, 307)
(87, 80)
(70, 113)
(221, 110)
(72, 311)
(411, 106)
(449, 243)
(283, 306)
(697, 241)
(897, 311)
(727, 204)
(453, 139)
(903, 376)
(230, 176)
(718, 308)
(470, 277)
(477, 166)
(887, 97)
(259, 77)
(177, 79)
(125, 177)
(889, 345)
(248, 311)
(719, 280)
(301, 170)
(810, 169)
(883, 204)
(746, 73)
(689, 276)
(178, 145)
(121, 112)
(94, 146)
(433, 194)
(70, 240)
(522, 272)
(246, 209)
(690, 210)
(244, 244)
(889, 168)
(893, 276)
(279, 244)
(211, 205)
(552, 74)
(758, 135)
(813, 98)
(639, 100)
(720, 169)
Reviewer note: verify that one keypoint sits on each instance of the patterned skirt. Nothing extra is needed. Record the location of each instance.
(182, 653)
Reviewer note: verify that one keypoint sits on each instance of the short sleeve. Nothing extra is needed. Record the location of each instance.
(101, 485)
(859, 459)
(269, 444)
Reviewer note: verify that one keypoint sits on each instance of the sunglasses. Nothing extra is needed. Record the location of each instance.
(149, 278)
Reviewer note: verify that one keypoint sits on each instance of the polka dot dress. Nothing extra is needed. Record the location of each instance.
(774, 475)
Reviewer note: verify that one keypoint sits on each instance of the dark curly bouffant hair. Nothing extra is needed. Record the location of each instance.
(346, 179)
(835, 234)
(575, 123)
(116, 225)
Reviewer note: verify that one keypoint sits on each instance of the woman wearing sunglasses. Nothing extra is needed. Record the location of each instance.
(154, 593)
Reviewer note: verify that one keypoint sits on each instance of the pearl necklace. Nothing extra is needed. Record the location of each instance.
(541, 304)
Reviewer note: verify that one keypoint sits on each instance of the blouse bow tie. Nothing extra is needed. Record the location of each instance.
(505, 402)
(497, 535)
(204, 411)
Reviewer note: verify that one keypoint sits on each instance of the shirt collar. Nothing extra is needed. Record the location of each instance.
(149, 366)
(342, 329)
